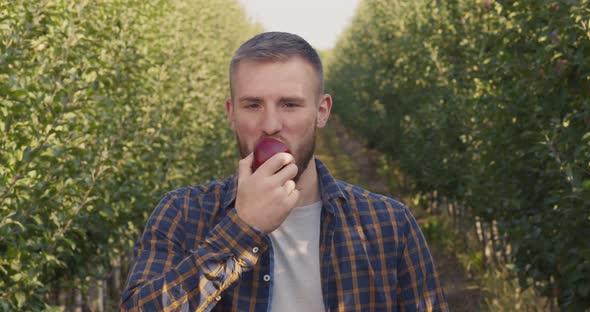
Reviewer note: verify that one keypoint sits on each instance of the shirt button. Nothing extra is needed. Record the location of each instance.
(218, 298)
(266, 278)
(255, 250)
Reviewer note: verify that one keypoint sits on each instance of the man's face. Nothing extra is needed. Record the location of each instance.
(278, 100)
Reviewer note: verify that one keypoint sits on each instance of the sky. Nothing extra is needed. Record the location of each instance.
(320, 22)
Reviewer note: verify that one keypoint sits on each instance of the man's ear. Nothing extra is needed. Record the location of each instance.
(324, 109)
(229, 109)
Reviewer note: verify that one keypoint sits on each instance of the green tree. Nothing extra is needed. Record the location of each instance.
(104, 106)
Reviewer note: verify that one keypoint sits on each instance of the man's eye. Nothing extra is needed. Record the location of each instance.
(291, 105)
(252, 106)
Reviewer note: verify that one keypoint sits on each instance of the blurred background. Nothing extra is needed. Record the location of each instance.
(474, 113)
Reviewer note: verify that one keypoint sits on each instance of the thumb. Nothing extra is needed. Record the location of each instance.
(245, 166)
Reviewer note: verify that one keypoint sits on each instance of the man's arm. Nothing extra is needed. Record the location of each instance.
(165, 276)
(418, 288)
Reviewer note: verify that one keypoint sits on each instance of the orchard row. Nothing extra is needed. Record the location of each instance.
(487, 105)
(104, 106)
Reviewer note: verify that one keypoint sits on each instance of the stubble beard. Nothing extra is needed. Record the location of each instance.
(306, 152)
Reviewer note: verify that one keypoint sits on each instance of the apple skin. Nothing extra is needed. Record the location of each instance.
(265, 149)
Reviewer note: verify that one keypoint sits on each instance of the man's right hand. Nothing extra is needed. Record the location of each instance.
(266, 197)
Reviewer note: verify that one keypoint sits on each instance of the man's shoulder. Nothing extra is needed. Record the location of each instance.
(215, 188)
(366, 199)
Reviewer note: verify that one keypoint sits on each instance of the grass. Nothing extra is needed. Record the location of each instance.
(500, 288)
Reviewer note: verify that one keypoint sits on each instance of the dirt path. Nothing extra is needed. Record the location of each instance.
(348, 159)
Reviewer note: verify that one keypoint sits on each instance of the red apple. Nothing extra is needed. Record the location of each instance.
(265, 149)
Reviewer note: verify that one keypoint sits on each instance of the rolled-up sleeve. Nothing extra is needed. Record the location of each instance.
(165, 276)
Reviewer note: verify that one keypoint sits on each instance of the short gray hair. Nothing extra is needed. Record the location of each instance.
(277, 46)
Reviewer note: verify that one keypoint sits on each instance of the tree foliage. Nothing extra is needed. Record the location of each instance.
(104, 106)
(487, 103)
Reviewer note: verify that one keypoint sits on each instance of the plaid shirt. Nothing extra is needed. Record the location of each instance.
(196, 254)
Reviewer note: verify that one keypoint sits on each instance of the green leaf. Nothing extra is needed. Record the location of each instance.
(17, 277)
(20, 299)
(27, 154)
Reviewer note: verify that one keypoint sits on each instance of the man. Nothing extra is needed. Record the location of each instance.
(286, 237)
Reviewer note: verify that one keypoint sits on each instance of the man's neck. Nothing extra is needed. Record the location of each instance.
(308, 185)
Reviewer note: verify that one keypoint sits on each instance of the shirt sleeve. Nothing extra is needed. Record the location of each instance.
(166, 277)
(419, 288)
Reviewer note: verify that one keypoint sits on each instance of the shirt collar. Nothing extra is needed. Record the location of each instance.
(329, 188)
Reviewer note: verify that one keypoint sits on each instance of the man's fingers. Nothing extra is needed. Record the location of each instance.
(286, 173)
(289, 186)
(245, 166)
(293, 197)
(276, 162)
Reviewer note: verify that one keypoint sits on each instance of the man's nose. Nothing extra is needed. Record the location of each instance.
(271, 122)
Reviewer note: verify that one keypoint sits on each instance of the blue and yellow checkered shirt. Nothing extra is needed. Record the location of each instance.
(196, 254)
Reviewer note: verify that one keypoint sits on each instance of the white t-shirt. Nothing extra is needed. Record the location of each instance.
(296, 277)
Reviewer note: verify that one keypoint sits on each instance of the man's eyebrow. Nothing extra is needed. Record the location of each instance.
(292, 99)
(282, 99)
(249, 99)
